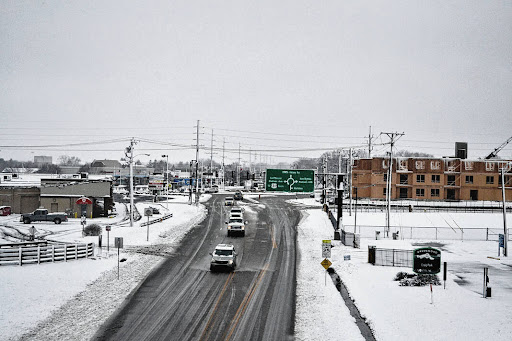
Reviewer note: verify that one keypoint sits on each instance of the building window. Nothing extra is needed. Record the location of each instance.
(436, 178)
(451, 166)
(402, 164)
(420, 164)
(385, 164)
(469, 179)
(420, 192)
(404, 179)
(435, 164)
(489, 180)
(384, 191)
(386, 177)
(489, 166)
(468, 165)
(434, 192)
(450, 181)
(420, 178)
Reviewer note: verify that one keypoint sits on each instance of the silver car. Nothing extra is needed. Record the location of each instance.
(223, 258)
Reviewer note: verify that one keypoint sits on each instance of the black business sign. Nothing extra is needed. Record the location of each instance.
(426, 260)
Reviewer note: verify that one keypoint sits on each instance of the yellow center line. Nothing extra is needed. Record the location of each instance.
(274, 244)
(206, 331)
(245, 302)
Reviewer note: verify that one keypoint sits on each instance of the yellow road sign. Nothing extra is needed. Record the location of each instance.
(326, 263)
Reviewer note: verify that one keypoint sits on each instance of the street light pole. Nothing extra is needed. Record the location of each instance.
(166, 181)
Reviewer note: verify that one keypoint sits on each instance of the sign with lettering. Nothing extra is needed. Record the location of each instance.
(426, 260)
(290, 180)
(326, 248)
(84, 201)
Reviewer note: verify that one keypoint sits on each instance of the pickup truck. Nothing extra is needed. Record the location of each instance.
(42, 214)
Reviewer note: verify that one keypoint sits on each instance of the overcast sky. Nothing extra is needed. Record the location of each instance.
(264, 75)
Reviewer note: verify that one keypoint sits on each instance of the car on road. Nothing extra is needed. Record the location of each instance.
(229, 201)
(238, 195)
(213, 189)
(236, 226)
(235, 215)
(237, 209)
(223, 258)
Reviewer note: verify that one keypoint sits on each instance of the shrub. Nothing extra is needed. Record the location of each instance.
(416, 280)
(92, 230)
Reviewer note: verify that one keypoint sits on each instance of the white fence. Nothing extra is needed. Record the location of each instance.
(44, 253)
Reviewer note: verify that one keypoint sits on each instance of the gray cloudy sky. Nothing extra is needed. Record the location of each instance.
(263, 74)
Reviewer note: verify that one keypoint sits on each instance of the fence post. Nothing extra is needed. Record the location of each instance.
(53, 253)
(76, 251)
(487, 234)
(38, 254)
(393, 251)
(87, 251)
(65, 253)
(21, 255)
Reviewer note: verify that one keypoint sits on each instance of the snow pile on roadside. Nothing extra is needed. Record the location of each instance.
(320, 312)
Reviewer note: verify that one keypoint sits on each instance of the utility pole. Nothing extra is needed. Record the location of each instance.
(211, 154)
(223, 169)
(324, 192)
(350, 182)
(166, 181)
(370, 148)
(238, 168)
(197, 162)
(129, 155)
(339, 162)
(393, 138)
(505, 232)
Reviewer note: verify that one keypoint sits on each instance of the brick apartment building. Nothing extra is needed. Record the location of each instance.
(432, 179)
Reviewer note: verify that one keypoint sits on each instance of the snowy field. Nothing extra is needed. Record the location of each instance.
(41, 302)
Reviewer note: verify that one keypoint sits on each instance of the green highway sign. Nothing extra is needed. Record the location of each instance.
(290, 180)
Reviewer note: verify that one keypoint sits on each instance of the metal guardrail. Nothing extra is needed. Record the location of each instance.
(38, 254)
(158, 220)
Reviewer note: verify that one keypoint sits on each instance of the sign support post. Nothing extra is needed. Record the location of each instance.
(119, 245)
(108, 237)
(148, 212)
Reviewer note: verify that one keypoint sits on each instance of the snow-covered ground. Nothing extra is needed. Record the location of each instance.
(45, 300)
(395, 312)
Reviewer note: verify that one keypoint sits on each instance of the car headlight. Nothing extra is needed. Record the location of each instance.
(230, 262)
(229, 227)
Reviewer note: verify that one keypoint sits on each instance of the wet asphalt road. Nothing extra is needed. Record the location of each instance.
(183, 300)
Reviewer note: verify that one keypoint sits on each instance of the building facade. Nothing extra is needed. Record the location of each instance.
(432, 179)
